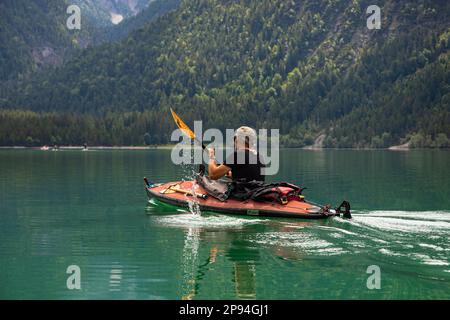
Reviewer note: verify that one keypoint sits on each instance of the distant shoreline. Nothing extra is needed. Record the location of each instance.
(169, 147)
(92, 147)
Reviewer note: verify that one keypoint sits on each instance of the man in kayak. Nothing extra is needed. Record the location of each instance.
(244, 164)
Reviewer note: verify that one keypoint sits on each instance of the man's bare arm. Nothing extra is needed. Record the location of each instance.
(216, 171)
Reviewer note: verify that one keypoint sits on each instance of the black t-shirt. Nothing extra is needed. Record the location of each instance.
(245, 164)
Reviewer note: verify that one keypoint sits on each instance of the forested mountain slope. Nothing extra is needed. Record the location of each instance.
(33, 33)
(306, 67)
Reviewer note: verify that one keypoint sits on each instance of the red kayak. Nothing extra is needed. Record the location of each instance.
(181, 193)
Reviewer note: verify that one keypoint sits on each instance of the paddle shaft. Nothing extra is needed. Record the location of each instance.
(199, 142)
(189, 193)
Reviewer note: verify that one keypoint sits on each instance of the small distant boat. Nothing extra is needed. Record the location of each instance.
(45, 148)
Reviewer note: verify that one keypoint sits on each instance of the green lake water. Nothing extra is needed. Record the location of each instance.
(90, 209)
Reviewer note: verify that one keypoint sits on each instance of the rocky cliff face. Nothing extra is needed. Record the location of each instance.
(124, 8)
(105, 12)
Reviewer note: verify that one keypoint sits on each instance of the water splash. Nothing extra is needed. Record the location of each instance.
(189, 262)
(194, 206)
(189, 174)
(188, 220)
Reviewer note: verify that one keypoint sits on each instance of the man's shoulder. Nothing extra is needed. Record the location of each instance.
(248, 155)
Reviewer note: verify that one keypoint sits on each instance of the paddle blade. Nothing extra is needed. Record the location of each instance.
(183, 127)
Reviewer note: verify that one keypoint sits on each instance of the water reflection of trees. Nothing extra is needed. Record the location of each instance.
(235, 247)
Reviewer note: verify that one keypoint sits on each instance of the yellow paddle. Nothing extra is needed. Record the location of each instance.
(184, 128)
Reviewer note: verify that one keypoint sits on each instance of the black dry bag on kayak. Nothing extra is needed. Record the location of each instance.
(215, 188)
(281, 192)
